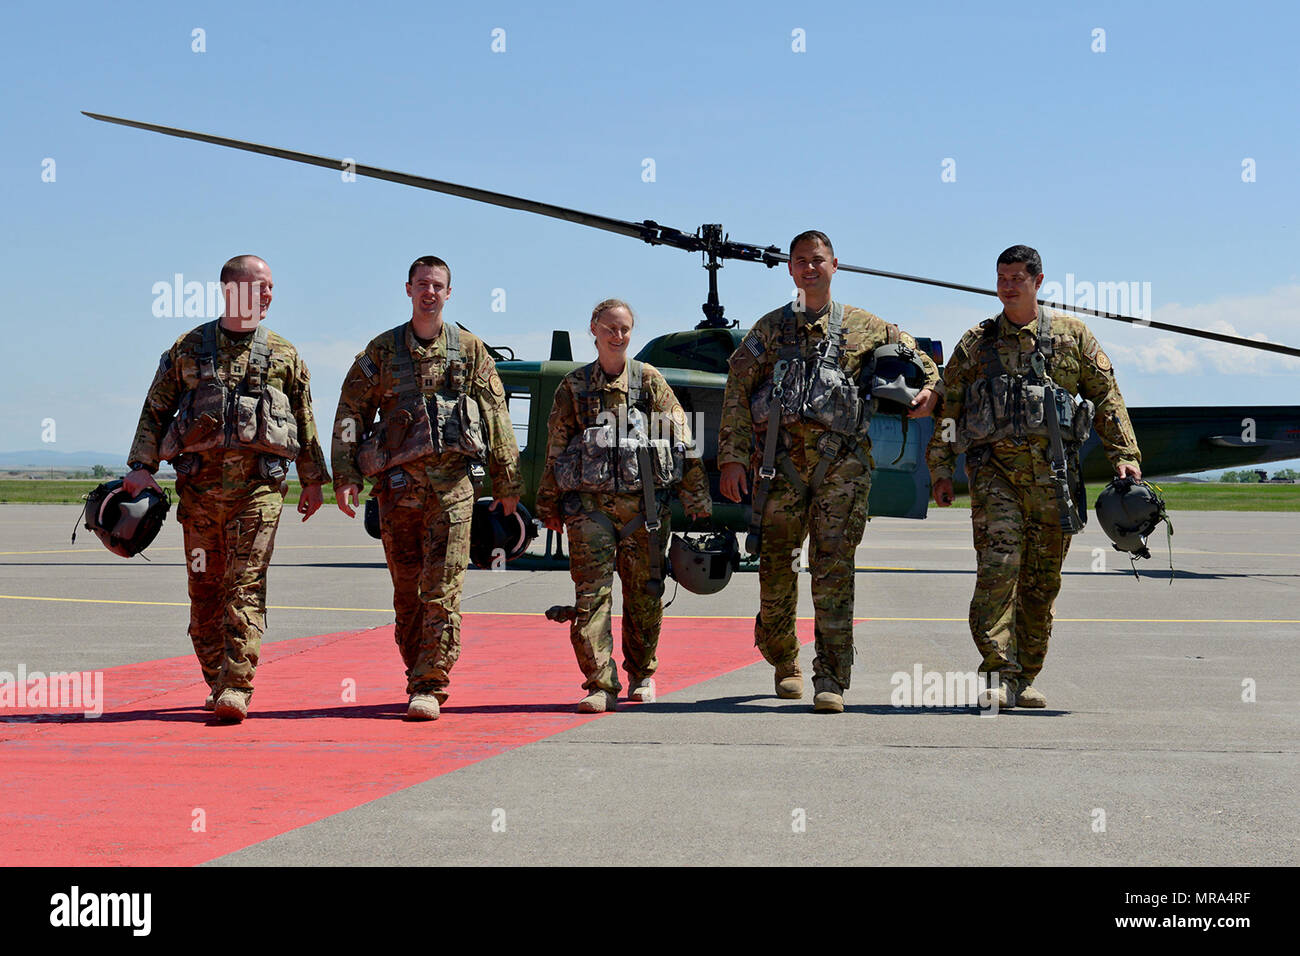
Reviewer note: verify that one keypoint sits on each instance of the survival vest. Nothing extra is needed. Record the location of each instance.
(1001, 405)
(248, 413)
(813, 388)
(606, 455)
(1004, 405)
(415, 425)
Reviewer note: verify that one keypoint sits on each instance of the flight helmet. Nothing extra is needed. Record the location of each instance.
(125, 525)
(1128, 509)
(703, 563)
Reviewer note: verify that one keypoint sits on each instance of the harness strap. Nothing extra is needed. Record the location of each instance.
(259, 358)
(404, 384)
(767, 471)
(259, 361)
(208, 360)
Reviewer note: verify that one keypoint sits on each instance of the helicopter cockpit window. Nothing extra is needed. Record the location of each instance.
(519, 402)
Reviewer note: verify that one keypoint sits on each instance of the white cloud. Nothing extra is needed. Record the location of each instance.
(1273, 316)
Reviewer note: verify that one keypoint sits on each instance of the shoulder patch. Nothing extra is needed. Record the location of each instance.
(367, 366)
(1103, 360)
(752, 344)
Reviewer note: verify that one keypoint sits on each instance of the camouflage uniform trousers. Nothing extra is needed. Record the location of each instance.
(833, 518)
(594, 553)
(426, 543)
(1019, 548)
(228, 543)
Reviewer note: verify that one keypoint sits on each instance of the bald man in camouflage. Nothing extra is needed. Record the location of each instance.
(1020, 540)
(230, 407)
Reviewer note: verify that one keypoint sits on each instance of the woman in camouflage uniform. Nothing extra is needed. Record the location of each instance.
(592, 488)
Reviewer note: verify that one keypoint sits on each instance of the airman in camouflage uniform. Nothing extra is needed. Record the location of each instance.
(833, 513)
(607, 529)
(426, 503)
(231, 491)
(1019, 541)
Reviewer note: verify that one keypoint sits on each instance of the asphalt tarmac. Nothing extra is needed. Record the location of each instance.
(1170, 736)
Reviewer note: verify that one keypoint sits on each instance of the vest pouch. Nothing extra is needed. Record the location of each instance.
(200, 422)
(1035, 409)
(792, 393)
(978, 417)
(245, 432)
(465, 423)
(762, 400)
(277, 428)
(597, 471)
(1001, 398)
(443, 422)
(403, 437)
(413, 439)
(832, 400)
(568, 466)
(1084, 413)
(629, 468)
(667, 462)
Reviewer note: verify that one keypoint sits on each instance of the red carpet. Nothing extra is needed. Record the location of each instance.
(153, 782)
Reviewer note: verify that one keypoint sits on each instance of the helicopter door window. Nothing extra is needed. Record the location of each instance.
(519, 402)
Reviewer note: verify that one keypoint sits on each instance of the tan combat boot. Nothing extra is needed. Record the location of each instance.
(423, 707)
(1029, 696)
(643, 691)
(789, 680)
(1003, 697)
(231, 706)
(829, 697)
(598, 702)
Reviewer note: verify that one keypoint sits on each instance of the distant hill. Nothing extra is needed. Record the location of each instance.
(45, 458)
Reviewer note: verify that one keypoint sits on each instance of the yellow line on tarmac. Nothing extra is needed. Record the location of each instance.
(376, 610)
(66, 551)
(718, 617)
(270, 607)
(1246, 554)
(278, 548)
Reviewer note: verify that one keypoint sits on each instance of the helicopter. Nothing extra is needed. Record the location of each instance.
(694, 362)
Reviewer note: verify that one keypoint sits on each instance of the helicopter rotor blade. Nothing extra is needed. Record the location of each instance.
(620, 226)
(648, 231)
(1181, 329)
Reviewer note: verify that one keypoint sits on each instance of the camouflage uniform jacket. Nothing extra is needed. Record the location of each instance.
(1078, 365)
(368, 390)
(863, 334)
(178, 373)
(565, 423)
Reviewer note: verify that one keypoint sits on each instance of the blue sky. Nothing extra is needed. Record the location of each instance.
(1120, 166)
